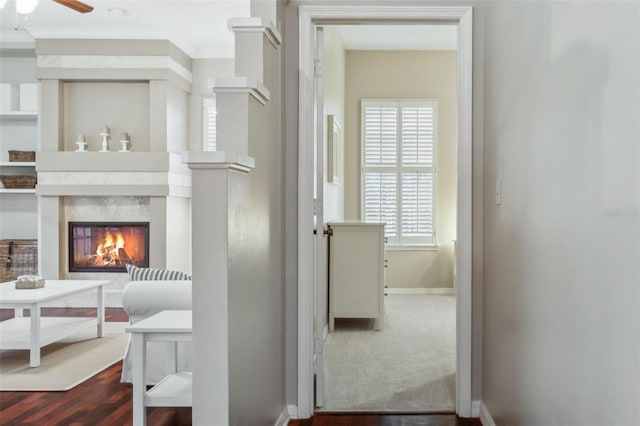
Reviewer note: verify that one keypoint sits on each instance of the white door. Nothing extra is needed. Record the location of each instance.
(320, 276)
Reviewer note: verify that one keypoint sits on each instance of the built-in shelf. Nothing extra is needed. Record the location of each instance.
(17, 164)
(173, 391)
(18, 115)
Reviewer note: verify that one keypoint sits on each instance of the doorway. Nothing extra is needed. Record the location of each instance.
(310, 17)
(392, 88)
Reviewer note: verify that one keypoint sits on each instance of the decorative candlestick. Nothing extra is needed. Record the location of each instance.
(106, 136)
(125, 142)
(81, 144)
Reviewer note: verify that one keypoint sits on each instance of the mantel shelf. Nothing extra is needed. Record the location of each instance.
(71, 161)
(17, 191)
(18, 115)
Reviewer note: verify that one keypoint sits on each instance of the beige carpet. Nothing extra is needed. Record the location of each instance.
(66, 363)
(408, 367)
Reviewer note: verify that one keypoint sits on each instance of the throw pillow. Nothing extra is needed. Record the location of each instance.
(149, 274)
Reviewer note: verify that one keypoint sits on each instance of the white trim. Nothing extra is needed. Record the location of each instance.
(475, 408)
(283, 418)
(412, 247)
(256, 24)
(240, 85)
(309, 17)
(208, 159)
(485, 416)
(464, 208)
(420, 290)
(293, 411)
(113, 62)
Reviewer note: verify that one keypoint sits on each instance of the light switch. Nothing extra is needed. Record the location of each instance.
(498, 192)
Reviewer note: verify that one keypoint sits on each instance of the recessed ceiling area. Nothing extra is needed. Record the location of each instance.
(199, 27)
(399, 37)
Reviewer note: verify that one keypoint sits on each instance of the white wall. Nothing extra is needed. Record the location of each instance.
(408, 75)
(334, 89)
(202, 70)
(561, 254)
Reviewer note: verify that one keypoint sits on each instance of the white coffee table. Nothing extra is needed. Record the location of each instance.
(175, 389)
(37, 331)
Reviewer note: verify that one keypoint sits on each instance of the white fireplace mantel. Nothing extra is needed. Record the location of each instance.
(112, 174)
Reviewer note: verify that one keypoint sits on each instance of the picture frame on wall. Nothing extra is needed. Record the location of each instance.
(335, 151)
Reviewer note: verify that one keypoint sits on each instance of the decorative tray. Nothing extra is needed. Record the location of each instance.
(29, 282)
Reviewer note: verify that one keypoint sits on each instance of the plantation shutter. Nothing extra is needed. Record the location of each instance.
(398, 168)
(381, 135)
(380, 204)
(209, 124)
(417, 136)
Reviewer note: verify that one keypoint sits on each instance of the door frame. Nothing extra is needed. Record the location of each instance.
(309, 17)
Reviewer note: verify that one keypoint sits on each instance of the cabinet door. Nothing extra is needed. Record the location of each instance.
(356, 271)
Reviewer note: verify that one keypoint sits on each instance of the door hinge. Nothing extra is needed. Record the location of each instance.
(317, 206)
(317, 68)
(328, 231)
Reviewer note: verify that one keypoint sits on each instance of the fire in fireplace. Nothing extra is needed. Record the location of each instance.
(107, 246)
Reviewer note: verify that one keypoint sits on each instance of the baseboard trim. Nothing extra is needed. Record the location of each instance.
(421, 290)
(283, 419)
(485, 416)
(293, 411)
(475, 408)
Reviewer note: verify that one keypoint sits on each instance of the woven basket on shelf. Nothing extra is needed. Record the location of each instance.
(18, 181)
(22, 156)
(18, 257)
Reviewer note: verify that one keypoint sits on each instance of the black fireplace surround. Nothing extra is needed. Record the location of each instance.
(108, 246)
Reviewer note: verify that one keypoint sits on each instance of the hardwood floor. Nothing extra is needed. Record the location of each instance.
(104, 401)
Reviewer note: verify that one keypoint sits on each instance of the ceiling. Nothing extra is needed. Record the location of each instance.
(199, 27)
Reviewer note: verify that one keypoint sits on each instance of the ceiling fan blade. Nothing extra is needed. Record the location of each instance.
(76, 5)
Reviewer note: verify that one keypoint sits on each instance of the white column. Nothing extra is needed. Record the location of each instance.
(238, 101)
(256, 41)
(211, 198)
(49, 238)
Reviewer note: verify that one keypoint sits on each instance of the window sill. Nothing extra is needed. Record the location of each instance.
(412, 247)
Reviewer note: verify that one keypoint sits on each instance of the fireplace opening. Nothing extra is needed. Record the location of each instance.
(107, 246)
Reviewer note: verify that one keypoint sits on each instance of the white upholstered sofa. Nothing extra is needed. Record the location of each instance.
(141, 299)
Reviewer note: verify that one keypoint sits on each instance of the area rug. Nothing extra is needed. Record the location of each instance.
(66, 363)
(407, 367)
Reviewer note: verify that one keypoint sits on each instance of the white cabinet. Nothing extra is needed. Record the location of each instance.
(356, 272)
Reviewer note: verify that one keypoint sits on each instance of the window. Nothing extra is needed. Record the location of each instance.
(209, 124)
(398, 168)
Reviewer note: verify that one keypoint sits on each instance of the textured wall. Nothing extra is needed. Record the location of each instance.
(408, 75)
(561, 296)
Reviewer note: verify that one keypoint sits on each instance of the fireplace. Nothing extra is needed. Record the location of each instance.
(107, 246)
